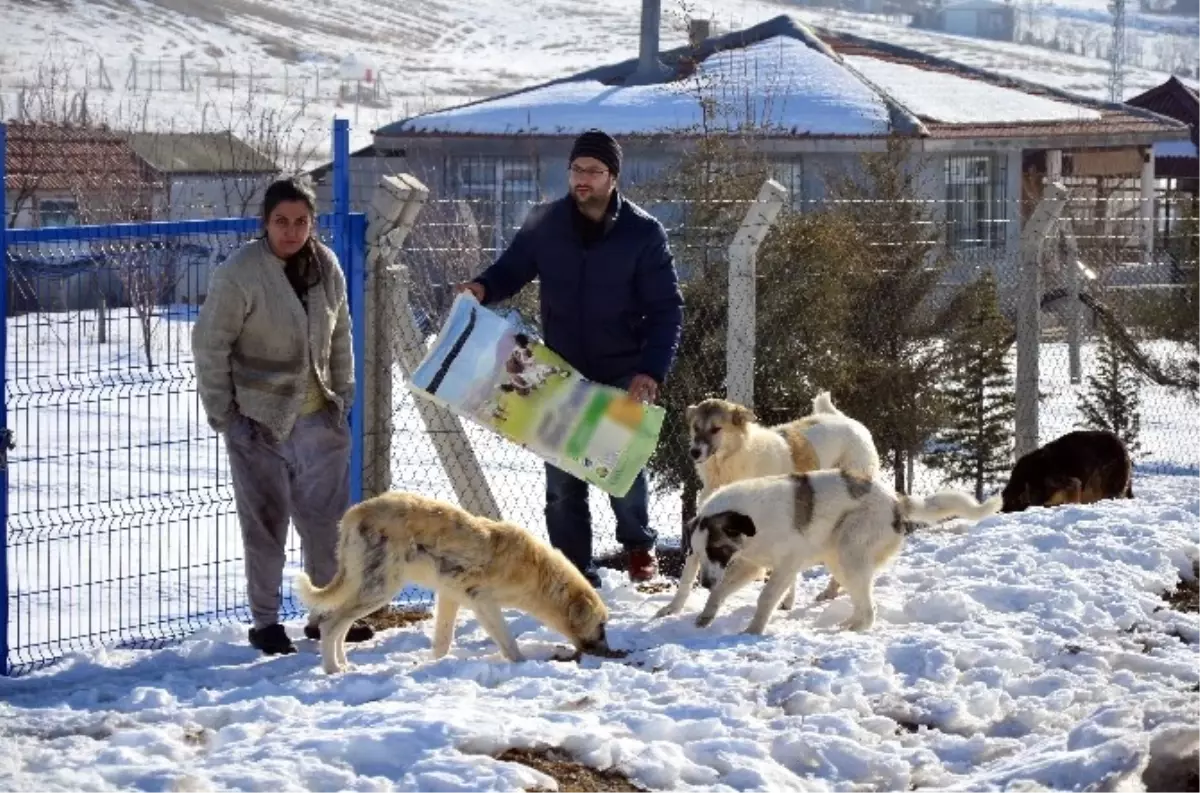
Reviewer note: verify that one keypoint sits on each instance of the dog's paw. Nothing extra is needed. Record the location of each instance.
(666, 611)
(858, 624)
(704, 620)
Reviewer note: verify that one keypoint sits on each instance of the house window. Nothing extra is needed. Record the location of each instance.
(501, 192)
(976, 201)
(58, 212)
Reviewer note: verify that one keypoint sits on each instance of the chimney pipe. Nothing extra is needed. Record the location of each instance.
(698, 31)
(649, 68)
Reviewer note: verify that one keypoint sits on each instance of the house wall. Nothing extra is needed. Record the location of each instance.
(988, 23)
(498, 179)
(961, 22)
(214, 196)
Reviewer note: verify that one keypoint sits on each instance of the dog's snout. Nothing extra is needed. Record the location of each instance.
(696, 453)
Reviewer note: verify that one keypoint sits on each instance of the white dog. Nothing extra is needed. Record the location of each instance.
(787, 523)
(729, 445)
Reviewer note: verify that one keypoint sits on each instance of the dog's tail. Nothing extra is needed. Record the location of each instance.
(823, 403)
(947, 504)
(324, 598)
(339, 588)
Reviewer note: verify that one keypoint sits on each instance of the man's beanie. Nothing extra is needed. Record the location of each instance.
(598, 144)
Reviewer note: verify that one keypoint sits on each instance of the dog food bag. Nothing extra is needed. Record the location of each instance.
(485, 369)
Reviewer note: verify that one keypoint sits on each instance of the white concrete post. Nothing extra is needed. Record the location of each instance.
(1074, 293)
(1147, 204)
(740, 334)
(393, 213)
(1029, 308)
(1070, 251)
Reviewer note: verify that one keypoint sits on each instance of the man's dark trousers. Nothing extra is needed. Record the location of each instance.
(568, 519)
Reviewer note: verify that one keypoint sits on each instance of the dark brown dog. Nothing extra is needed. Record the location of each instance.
(1077, 468)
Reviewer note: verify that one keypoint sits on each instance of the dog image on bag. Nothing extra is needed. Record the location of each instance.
(1077, 468)
(398, 538)
(525, 373)
(729, 445)
(789, 522)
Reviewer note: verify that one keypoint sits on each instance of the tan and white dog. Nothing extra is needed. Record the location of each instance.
(786, 523)
(397, 538)
(729, 445)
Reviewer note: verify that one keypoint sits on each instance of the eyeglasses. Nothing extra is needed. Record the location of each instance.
(589, 172)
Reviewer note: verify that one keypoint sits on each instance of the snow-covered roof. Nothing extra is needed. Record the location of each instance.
(951, 99)
(793, 89)
(781, 77)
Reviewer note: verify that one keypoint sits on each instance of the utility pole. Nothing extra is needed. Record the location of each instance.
(1116, 55)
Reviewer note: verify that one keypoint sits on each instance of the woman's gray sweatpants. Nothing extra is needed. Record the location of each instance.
(306, 478)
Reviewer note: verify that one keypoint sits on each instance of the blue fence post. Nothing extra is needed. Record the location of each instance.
(350, 248)
(5, 666)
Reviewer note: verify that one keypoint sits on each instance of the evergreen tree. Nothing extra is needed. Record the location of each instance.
(976, 445)
(1112, 400)
(891, 363)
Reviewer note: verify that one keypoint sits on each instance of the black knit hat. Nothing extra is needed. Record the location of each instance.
(598, 144)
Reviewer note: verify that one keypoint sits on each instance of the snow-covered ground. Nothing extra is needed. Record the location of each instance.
(252, 64)
(1024, 652)
(223, 63)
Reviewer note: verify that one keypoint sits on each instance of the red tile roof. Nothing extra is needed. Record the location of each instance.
(70, 159)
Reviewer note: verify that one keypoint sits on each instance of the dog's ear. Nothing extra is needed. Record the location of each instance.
(735, 523)
(521, 339)
(689, 413)
(742, 416)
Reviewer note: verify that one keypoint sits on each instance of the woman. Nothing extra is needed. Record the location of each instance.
(276, 377)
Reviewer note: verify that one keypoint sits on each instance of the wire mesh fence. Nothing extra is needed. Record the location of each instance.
(121, 521)
(121, 525)
(861, 295)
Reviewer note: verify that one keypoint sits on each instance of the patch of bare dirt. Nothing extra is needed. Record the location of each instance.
(395, 617)
(1186, 595)
(569, 774)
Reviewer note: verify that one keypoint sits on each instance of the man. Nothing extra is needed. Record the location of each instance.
(611, 307)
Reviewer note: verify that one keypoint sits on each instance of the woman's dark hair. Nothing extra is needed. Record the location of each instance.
(303, 269)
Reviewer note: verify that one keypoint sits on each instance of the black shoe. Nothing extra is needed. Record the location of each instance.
(272, 640)
(359, 632)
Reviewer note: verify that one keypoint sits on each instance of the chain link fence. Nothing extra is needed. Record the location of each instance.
(858, 294)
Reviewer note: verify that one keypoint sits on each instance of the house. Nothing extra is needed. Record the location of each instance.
(1176, 163)
(1175, 160)
(984, 19)
(205, 174)
(816, 101)
(62, 175)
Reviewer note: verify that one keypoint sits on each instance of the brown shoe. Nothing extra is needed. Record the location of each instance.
(642, 564)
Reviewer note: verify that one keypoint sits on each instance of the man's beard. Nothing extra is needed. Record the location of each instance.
(592, 202)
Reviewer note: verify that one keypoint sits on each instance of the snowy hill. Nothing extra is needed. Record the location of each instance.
(250, 64)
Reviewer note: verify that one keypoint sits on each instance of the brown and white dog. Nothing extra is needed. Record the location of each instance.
(728, 445)
(397, 538)
(786, 523)
(1077, 468)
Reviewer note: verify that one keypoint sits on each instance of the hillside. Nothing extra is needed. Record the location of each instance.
(284, 72)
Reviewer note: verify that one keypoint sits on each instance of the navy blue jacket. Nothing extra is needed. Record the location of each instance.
(610, 299)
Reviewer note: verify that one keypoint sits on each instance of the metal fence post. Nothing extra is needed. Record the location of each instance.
(349, 242)
(5, 666)
(357, 296)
